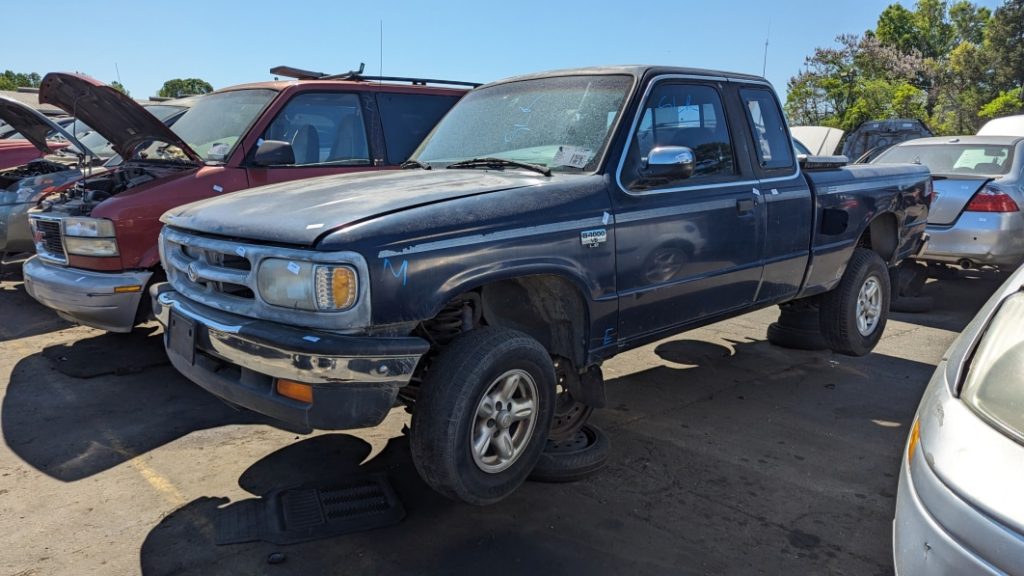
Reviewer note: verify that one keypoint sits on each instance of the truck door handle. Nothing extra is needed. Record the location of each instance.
(745, 205)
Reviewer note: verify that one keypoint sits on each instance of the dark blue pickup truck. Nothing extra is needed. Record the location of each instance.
(549, 222)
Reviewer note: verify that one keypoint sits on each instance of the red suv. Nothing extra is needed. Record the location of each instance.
(96, 244)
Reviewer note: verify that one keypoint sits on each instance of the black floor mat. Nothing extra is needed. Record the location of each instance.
(109, 353)
(309, 513)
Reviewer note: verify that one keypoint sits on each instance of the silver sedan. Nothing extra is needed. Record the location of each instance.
(960, 504)
(975, 217)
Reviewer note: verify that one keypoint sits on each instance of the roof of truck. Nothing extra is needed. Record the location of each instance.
(637, 70)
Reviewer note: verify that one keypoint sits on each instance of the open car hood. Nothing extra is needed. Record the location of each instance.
(34, 126)
(118, 118)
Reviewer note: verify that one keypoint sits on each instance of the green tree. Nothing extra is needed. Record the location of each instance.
(1007, 103)
(10, 80)
(1004, 37)
(119, 87)
(181, 87)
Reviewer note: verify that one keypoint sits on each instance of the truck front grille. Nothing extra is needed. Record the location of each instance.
(49, 243)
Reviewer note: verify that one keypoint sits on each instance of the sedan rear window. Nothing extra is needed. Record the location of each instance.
(971, 159)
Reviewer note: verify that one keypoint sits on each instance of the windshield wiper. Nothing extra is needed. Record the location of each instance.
(491, 162)
(413, 163)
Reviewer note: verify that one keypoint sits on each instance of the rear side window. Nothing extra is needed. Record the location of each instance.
(771, 142)
(408, 118)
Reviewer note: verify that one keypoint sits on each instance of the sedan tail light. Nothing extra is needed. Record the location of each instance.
(992, 199)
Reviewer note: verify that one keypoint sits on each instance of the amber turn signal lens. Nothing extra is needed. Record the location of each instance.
(295, 390)
(915, 439)
(336, 287)
(127, 289)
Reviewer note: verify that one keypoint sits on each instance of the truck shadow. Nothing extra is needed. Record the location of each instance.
(69, 425)
(726, 447)
(23, 317)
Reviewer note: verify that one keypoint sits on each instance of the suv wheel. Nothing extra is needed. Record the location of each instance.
(482, 415)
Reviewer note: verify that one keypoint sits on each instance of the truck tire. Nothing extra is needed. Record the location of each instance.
(482, 415)
(575, 458)
(853, 315)
(791, 337)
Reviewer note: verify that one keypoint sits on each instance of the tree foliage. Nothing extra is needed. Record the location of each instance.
(10, 80)
(181, 87)
(950, 65)
(119, 87)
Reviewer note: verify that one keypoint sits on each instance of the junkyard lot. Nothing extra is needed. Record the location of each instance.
(729, 455)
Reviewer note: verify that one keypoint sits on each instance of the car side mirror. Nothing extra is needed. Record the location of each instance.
(672, 162)
(274, 153)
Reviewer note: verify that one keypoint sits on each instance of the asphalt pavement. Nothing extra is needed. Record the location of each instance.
(729, 456)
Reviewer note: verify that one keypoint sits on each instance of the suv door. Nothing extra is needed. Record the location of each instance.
(688, 248)
(788, 205)
(328, 135)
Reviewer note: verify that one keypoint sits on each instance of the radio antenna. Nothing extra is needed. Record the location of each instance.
(381, 71)
(764, 64)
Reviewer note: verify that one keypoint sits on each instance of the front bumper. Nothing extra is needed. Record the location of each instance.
(983, 238)
(354, 379)
(87, 297)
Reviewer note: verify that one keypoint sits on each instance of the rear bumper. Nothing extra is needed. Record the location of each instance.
(84, 296)
(354, 379)
(983, 238)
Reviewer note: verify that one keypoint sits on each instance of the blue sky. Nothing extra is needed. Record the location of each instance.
(229, 42)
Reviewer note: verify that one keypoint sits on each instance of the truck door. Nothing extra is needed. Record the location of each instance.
(686, 247)
(328, 135)
(787, 197)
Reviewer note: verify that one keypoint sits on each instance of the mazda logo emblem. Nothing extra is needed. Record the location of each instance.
(193, 272)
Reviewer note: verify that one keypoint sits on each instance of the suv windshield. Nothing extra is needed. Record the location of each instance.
(971, 159)
(560, 122)
(215, 123)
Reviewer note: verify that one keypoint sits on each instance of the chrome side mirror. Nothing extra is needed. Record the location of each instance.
(674, 162)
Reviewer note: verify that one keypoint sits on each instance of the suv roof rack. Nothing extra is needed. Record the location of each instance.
(300, 74)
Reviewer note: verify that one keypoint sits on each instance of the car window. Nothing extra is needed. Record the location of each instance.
(973, 159)
(408, 118)
(689, 115)
(323, 128)
(771, 143)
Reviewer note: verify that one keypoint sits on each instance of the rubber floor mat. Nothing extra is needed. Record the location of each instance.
(308, 513)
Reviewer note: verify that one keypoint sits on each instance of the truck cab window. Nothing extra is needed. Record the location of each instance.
(408, 118)
(681, 115)
(771, 142)
(322, 129)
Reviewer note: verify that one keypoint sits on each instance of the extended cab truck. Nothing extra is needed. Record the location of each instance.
(96, 243)
(548, 223)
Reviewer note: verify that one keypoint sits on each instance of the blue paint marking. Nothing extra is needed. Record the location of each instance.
(609, 336)
(402, 272)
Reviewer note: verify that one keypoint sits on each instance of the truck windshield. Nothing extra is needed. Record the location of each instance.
(560, 122)
(216, 123)
(950, 159)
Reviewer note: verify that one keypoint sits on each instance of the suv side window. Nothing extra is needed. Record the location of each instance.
(407, 118)
(688, 115)
(772, 144)
(323, 128)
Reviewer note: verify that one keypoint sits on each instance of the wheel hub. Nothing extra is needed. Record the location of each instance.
(505, 419)
(869, 306)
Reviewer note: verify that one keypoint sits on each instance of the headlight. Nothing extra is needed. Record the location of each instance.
(306, 286)
(88, 227)
(90, 246)
(89, 237)
(993, 387)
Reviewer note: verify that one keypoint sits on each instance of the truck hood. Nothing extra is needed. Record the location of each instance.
(302, 211)
(118, 118)
(34, 126)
